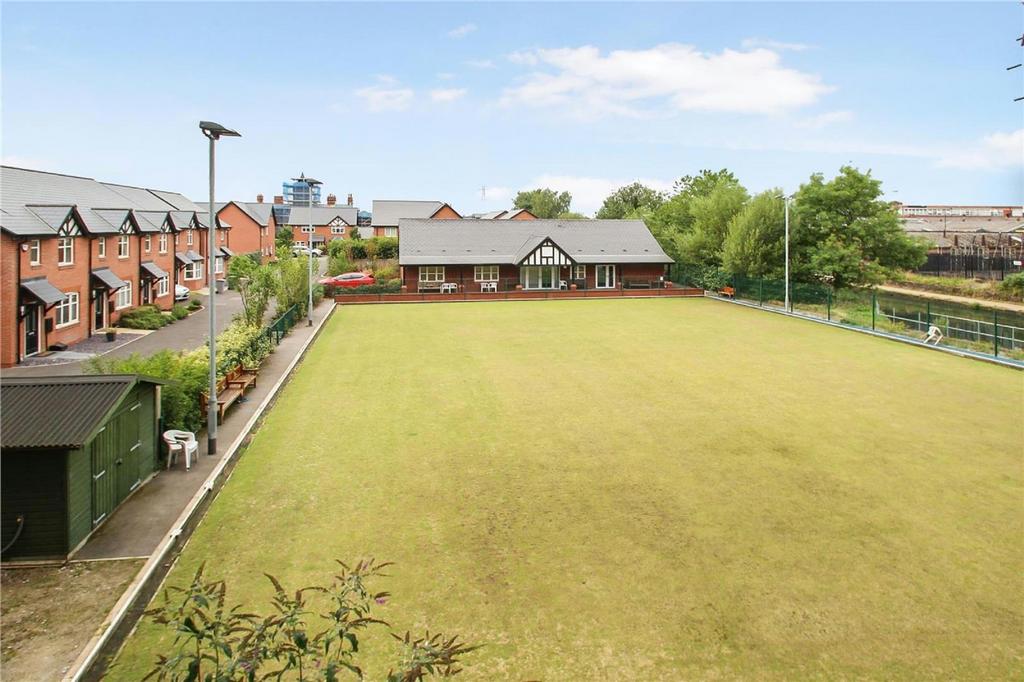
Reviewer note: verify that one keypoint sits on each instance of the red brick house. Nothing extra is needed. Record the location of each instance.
(77, 254)
(484, 255)
(251, 226)
(328, 222)
(510, 214)
(388, 212)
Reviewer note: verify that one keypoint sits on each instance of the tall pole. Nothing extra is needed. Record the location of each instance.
(211, 404)
(309, 284)
(787, 253)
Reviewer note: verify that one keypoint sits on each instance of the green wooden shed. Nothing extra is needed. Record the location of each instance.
(72, 448)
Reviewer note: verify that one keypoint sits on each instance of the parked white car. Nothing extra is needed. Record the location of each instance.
(181, 292)
(304, 251)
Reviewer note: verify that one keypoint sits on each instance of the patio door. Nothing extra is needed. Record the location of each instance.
(31, 330)
(540, 277)
(605, 276)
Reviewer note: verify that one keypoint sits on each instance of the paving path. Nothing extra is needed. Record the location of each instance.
(965, 300)
(136, 528)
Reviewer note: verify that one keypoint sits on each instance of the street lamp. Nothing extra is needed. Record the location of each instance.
(310, 184)
(213, 132)
(787, 199)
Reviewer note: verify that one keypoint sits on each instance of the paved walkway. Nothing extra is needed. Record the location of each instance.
(136, 528)
(964, 300)
(185, 334)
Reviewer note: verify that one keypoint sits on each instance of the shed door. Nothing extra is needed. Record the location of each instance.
(129, 450)
(104, 474)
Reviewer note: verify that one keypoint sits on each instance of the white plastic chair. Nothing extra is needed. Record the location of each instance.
(934, 335)
(181, 441)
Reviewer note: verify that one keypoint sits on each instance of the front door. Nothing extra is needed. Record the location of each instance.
(540, 277)
(31, 329)
(99, 305)
(605, 276)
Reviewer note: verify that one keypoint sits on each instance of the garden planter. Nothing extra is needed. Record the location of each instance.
(519, 287)
(111, 335)
(572, 287)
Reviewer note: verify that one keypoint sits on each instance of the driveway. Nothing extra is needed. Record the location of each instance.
(185, 334)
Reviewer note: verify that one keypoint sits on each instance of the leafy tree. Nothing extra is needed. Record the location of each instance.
(293, 284)
(675, 217)
(283, 241)
(256, 288)
(626, 201)
(711, 214)
(844, 233)
(544, 203)
(702, 183)
(572, 215)
(353, 233)
(754, 243)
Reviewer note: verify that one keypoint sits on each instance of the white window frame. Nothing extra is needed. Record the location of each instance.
(147, 243)
(614, 276)
(338, 229)
(162, 244)
(124, 296)
(579, 272)
(101, 247)
(163, 286)
(67, 307)
(188, 237)
(390, 232)
(430, 273)
(196, 267)
(492, 274)
(124, 246)
(35, 252)
(218, 265)
(306, 229)
(65, 244)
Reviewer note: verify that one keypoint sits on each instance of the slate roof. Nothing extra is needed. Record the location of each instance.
(387, 212)
(480, 242)
(59, 412)
(983, 225)
(322, 215)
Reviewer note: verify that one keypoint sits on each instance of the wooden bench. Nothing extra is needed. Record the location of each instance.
(728, 292)
(637, 284)
(229, 389)
(429, 286)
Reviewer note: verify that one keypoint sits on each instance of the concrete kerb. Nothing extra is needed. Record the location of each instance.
(92, 662)
(959, 352)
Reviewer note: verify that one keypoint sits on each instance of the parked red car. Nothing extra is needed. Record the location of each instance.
(349, 279)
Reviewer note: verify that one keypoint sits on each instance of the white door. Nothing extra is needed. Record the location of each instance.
(605, 276)
(540, 277)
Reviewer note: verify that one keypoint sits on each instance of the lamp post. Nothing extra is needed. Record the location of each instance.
(213, 132)
(786, 199)
(310, 184)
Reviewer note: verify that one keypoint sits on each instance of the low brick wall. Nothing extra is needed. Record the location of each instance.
(352, 299)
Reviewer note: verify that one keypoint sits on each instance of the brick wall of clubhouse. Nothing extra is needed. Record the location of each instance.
(463, 274)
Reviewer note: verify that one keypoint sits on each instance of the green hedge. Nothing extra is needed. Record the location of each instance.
(144, 317)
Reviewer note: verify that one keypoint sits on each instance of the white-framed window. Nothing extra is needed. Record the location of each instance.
(390, 232)
(34, 252)
(223, 235)
(431, 273)
(67, 310)
(101, 247)
(579, 272)
(66, 251)
(175, 238)
(218, 264)
(338, 229)
(194, 270)
(188, 237)
(147, 243)
(485, 273)
(124, 296)
(123, 246)
(307, 229)
(163, 287)
(163, 242)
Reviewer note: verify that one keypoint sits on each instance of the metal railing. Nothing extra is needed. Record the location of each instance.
(507, 284)
(279, 328)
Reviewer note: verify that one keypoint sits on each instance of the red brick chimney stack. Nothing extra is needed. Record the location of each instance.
(331, 200)
(349, 200)
(278, 199)
(259, 198)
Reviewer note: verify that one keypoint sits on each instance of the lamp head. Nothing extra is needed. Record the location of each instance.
(215, 131)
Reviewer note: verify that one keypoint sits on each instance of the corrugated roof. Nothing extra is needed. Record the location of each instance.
(322, 215)
(479, 242)
(58, 412)
(387, 212)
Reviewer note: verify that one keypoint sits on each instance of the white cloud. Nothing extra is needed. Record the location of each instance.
(826, 119)
(447, 94)
(997, 150)
(588, 193)
(481, 63)
(387, 95)
(751, 43)
(461, 31)
(628, 82)
(445, 76)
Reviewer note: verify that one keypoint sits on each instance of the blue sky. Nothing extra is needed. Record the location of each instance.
(436, 101)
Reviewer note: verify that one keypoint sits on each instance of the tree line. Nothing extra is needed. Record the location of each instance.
(842, 232)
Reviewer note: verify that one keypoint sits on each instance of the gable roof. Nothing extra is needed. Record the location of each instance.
(387, 212)
(259, 212)
(73, 407)
(322, 215)
(480, 242)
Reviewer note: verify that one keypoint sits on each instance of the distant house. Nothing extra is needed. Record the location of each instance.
(387, 213)
(251, 226)
(328, 222)
(510, 214)
(487, 255)
(63, 477)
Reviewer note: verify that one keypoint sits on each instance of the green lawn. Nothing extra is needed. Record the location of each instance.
(642, 489)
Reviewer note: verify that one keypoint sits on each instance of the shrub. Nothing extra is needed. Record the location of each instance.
(241, 344)
(339, 264)
(357, 248)
(292, 284)
(387, 247)
(390, 287)
(143, 317)
(1013, 285)
(179, 311)
(195, 304)
(385, 271)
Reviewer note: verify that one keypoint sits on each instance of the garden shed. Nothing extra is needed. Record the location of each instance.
(72, 448)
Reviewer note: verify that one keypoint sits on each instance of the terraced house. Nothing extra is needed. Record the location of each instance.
(487, 255)
(387, 213)
(76, 254)
(323, 222)
(251, 226)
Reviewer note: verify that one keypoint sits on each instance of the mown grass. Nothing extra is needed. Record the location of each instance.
(641, 489)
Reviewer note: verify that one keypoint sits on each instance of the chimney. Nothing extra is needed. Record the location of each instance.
(331, 200)
(349, 200)
(278, 199)
(259, 198)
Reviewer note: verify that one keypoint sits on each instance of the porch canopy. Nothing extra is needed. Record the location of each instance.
(107, 279)
(43, 291)
(183, 258)
(151, 269)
